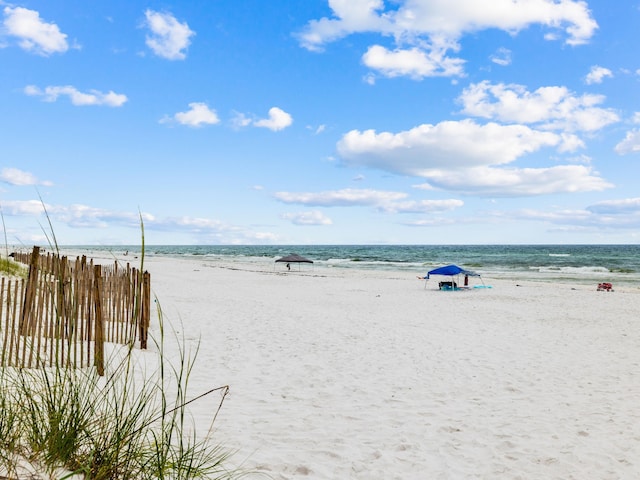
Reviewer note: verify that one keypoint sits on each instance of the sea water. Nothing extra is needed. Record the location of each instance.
(564, 263)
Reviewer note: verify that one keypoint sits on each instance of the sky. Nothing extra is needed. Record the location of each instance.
(320, 122)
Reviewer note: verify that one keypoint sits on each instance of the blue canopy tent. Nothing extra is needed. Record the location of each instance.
(451, 271)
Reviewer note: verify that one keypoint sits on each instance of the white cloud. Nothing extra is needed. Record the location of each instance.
(23, 207)
(630, 144)
(550, 107)
(203, 230)
(518, 182)
(240, 120)
(15, 176)
(307, 218)
(352, 16)
(78, 98)
(450, 144)
(317, 130)
(433, 222)
(414, 62)
(384, 201)
(597, 74)
(168, 38)
(432, 28)
(340, 198)
(199, 114)
(422, 206)
(278, 120)
(502, 57)
(211, 231)
(83, 216)
(469, 158)
(34, 34)
(77, 215)
(617, 207)
(623, 214)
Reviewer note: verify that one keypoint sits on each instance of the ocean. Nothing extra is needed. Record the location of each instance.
(562, 263)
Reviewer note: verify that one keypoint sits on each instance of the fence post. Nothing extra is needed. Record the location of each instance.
(145, 319)
(30, 293)
(98, 360)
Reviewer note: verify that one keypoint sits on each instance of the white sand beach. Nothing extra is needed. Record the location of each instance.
(349, 374)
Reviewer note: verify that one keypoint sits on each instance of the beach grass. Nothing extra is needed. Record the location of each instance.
(12, 269)
(124, 425)
(121, 426)
(71, 423)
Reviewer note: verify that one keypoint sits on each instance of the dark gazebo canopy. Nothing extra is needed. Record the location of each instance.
(294, 258)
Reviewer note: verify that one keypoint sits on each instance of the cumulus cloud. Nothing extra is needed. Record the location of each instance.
(424, 31)
(449, 144)
(307, 218)
(502, 57)
(384, 201)
(203, 230)
(168, 38)
(617, 207)
(93, 97)
(421, 206)
(212, 231)
(519, 182)
(278, 120)
(15, 176)
(240, 120)
(614, 214)
(34, 35)
(552, 108)
(597, 74)
(414, 62)
(630, 144)
(76, 215)
(469, 158)
(199, 114)
(340, 198)
(22, 207)
(83, 216)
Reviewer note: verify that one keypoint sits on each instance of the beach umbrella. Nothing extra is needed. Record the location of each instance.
(293, 258)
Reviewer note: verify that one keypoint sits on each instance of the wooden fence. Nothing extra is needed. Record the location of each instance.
(65, 311)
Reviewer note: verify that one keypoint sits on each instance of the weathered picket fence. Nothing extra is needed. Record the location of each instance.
(65, 311)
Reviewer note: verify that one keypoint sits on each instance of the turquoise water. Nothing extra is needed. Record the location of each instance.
(581, 263)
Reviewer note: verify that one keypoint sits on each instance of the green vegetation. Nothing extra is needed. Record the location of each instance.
(10, 268)
(133, 422)
(128, 424)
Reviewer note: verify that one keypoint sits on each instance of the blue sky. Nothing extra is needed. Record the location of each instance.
(320, 122)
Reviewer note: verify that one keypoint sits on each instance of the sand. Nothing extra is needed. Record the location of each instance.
(348, 374)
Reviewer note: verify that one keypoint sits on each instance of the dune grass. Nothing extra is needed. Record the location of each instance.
(66, 423)
(12, 269)
(128, 424)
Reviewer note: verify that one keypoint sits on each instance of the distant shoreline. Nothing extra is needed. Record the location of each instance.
(578, 264)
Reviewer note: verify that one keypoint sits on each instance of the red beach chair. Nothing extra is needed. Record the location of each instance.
(605, 287)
